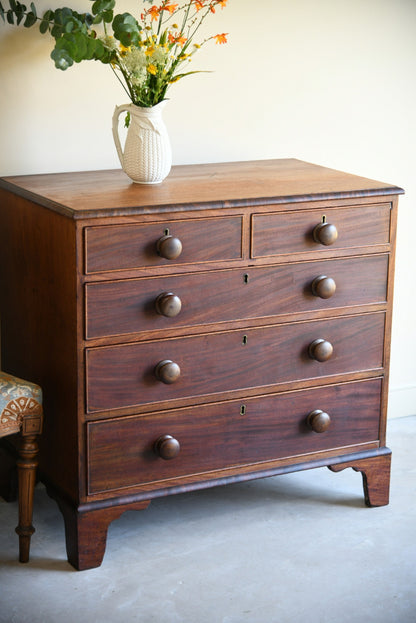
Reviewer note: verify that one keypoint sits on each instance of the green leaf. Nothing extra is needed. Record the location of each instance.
(30, 20)
(100, 6)
(126, 29)
(47, 18)
(95, 49)
(19, 12)
(61, 58)
(77, 44)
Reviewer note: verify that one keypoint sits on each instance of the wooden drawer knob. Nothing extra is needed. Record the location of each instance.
(325, 234)
(167, 371)
(324, 287)
(168, 304)
(318, 421)
(321, 350)
(169, 247)
(167, 447)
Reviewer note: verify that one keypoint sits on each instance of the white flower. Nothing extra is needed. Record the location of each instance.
(109, 42)
(134, 60)
(139, 78)
(159, 55)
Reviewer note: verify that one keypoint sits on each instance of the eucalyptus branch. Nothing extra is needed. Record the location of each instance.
(145, 59)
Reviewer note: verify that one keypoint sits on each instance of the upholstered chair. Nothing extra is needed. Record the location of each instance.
(21, 412)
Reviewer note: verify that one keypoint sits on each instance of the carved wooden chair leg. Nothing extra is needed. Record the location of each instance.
(26, 468)
(21, 412)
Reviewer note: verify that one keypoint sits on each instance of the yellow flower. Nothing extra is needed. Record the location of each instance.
(124, 50)
(152, 69)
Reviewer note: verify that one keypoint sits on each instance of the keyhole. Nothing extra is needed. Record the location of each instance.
(246, 278)
(166, 232)
(243, 410)
(324, 218)
(245, 339)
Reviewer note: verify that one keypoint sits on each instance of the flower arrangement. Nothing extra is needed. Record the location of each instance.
(147, 54)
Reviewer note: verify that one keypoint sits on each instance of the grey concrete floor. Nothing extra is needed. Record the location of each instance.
(298, 547)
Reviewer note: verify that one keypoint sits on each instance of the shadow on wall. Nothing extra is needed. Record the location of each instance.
(19, 45)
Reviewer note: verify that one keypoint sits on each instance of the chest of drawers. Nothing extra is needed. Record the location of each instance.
(232, 323)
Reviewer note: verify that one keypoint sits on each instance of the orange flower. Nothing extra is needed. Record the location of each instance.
(199, 5)
(221, 38)
(170, 7)
(154, 12)
(214, 3)
(179, 39)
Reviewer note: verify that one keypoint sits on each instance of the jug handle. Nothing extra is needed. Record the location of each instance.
(117, 112)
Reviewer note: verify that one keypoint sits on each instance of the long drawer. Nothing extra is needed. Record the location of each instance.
(129, 306)
(124, 375)
(121, 451)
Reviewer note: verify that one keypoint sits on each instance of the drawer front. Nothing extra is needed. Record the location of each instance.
(128, 306)
(121, 247)
(124, 376)
(292, 232)
(121, 451)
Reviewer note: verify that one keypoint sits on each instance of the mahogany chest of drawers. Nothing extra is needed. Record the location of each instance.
(232, 323)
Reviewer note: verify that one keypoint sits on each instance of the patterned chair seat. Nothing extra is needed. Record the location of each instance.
(21, 412)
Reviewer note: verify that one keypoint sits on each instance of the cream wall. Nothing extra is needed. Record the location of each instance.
(328, 81)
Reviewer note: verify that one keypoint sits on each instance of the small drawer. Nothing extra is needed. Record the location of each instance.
(124, 452)
(293, 232)
(133, 305)
(132, 374)
(119, 247)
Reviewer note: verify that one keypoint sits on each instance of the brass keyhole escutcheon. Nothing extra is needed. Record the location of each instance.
(243, 410)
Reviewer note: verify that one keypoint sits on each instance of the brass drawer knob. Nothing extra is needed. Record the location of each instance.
(169, 247)
(324, 287)
(320, 350)
(168, 304)
(167, 447)
(167, 371)
(325, 233)
(318, 421)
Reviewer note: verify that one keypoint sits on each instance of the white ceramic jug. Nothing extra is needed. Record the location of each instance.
(147, 155)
